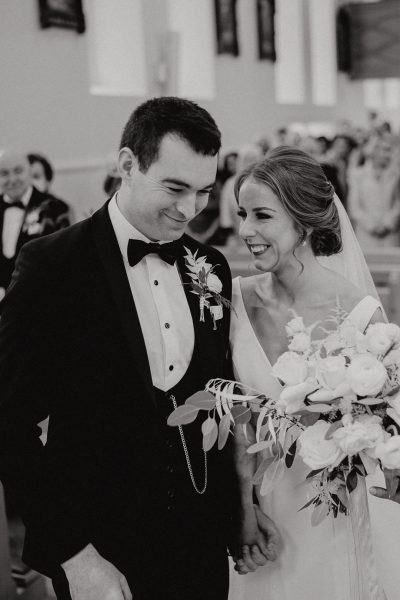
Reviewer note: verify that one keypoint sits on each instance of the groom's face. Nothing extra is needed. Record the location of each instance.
(161, 202)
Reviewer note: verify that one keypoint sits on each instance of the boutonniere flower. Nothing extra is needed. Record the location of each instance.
(206, 285)
(33, 225)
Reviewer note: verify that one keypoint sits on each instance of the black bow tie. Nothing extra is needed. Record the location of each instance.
(15, 204)
(137, 249)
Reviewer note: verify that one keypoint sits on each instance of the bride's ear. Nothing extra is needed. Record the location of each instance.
(127, 164)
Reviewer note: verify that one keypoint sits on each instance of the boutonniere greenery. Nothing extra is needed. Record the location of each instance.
(206, 285)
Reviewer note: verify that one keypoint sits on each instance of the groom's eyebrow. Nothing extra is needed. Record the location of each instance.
(185, 184)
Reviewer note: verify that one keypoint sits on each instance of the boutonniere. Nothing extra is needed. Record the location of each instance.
(206, 285)
(33, 224)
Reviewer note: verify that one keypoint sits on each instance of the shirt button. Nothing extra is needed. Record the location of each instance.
(171, 494)
(171, 367)
(167, 325)
(170, 469)
(155, 282)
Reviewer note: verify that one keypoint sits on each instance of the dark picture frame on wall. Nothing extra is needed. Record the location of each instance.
(226, 24)
(266, 29)
(67, 14)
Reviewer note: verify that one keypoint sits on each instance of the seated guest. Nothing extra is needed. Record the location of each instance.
(25, 212)
(41, 172)
(374, 198)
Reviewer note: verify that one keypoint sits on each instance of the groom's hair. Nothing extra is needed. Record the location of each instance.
(159, 117)
(299, 182)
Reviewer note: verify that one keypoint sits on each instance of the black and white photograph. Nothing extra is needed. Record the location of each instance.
(200, 300)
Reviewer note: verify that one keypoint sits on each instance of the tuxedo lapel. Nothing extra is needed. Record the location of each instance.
(110, 257)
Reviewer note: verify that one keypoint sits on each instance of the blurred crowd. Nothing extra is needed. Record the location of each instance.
(363, 165)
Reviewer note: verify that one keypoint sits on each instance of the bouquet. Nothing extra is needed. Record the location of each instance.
(339, 410)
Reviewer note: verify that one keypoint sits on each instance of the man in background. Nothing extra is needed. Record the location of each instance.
(25, 212)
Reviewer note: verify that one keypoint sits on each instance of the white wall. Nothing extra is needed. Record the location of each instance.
(45, 104)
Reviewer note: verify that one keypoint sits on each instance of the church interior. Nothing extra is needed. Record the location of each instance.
(323, 75)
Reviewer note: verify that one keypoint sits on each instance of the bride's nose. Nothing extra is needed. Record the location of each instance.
(246, 229)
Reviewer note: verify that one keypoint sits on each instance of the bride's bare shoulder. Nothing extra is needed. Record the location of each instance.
(249, 286)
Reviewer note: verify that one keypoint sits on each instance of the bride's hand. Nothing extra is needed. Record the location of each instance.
(392, 491)
(260, 541)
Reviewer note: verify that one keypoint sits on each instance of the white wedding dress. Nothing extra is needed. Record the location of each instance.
(315, 562)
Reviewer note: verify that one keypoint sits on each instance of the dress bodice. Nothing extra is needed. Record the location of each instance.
(250, 361)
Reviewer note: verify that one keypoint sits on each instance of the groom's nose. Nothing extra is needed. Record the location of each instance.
(187, 206)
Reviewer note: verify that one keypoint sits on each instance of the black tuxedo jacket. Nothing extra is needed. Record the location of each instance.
(52, 214)
(71, 347)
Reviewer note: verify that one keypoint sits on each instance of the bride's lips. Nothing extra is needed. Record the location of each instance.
(258, 249)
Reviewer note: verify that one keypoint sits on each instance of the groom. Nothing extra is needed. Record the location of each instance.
(101, 331)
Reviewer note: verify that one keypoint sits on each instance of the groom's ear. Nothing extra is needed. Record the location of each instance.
(127, 164)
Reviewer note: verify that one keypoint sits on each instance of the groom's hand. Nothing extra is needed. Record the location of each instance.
(260, 540)
(91, 577)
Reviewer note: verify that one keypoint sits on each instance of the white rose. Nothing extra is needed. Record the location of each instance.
(331, 371)
(316, 451)
(301, 342)
(366, 375)
(389, 453)
(291, 368)
(364, 432)
(394, 401)
(296, 325)
(392, 358)
(378, 338)
(349, 333)
(214, 283)
(393, 332)
(291, 399)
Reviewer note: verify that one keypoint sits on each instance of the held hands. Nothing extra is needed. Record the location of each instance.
(392, 491)
(91, 577)
(260, 541)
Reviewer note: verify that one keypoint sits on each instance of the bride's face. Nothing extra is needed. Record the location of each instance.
(266, 228)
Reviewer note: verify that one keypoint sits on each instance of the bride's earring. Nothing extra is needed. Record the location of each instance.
(303, 239)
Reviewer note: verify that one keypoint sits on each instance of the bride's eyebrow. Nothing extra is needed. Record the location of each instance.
(264, 208)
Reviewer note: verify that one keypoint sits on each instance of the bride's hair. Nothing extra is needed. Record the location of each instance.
(300, 184)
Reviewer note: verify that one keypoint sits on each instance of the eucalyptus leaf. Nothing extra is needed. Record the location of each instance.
(314, 473)
(241, 414)
(223, 431)
(262, 467)
(352, 480)
(307, 504)
(258, 447)
(341, 494)
(210, 437)
(319, 514)
(182, 415)
(202, 400)
(271, 428)
(260, 421)
(208, 425)
(291, 453)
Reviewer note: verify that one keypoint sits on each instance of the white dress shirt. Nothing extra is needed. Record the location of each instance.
(161, 304)
(13, 220)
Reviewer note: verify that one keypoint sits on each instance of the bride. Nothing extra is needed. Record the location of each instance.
(304, 246)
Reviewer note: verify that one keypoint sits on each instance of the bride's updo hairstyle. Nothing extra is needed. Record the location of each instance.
(299, 182)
